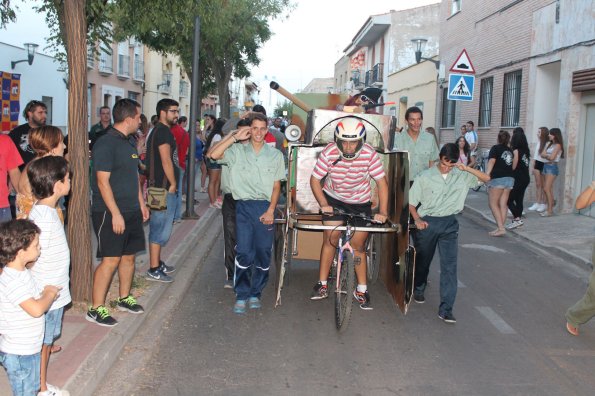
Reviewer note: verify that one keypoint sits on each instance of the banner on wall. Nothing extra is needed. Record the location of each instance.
(11, 93)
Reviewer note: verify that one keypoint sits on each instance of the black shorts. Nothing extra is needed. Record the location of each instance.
(538, 166)
(364, 209)
(110, 244)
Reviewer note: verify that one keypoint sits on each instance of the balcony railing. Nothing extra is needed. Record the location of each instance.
(356, 77)
(165, 85)
(184, 89)
(139, 70)
(106, 63)
(374, 77)
(90, 58)
(123, 66)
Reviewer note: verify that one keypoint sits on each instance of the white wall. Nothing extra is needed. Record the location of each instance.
(42, 78)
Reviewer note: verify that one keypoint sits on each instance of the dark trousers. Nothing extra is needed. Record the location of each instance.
(442, 232)
(228, 211)
(253, 250)
(517, 194)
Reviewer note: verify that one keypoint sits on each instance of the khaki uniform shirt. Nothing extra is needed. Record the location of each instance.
(439, 196)
(421, 151)
(251, 176)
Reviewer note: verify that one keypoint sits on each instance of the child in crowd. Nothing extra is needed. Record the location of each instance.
(22, 306)
(50, 181)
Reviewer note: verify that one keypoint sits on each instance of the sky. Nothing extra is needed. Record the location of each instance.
(304, 46)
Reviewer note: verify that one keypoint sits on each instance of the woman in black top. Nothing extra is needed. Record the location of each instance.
(520, 165)
(502, 180)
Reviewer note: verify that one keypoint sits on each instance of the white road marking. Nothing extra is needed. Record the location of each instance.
(460, 284)
(489, 248)
(496, 320)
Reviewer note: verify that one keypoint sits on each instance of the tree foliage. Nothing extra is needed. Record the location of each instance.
(232, 31)
(285, 106)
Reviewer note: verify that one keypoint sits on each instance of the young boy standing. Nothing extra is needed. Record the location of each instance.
(22, 306)
(50, 180)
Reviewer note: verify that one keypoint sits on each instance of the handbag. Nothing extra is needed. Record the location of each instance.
(156, 196)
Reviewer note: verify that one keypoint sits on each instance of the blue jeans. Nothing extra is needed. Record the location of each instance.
(5, 215)
(162, 221)
(253, 249)
(23, 372)
(178, 212)
(442, 232)
(53, 325)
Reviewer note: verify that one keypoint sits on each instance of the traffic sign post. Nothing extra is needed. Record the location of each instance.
(460, 87)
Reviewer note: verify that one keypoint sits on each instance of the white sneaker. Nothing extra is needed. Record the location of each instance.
(534, 207)
(514, 224)
(53, 391)
(542, 208)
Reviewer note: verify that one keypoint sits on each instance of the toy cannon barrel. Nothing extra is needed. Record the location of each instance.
(274, 85)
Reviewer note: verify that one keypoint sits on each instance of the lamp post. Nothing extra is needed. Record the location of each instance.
(419, 44)
(31, 48)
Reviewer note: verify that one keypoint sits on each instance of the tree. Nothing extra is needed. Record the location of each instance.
(71, 22)
(285, 106)
(232, 31)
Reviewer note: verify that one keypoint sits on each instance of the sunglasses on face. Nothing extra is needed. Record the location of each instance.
(364, 98)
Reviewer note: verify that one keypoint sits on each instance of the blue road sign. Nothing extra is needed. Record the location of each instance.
(460, 87)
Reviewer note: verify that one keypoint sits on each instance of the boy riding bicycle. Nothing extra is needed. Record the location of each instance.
(341, 179)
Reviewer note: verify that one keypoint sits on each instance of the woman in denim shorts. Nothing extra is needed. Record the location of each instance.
(213, 168)
(502, 180)
(553, 151)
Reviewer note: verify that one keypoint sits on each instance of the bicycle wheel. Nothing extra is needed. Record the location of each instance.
(344, 295)
(372, 260)
(480, 168)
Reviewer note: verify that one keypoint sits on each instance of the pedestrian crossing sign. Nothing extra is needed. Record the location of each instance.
(460, 87)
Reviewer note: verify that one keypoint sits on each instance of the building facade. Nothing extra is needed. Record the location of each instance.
(164, 78)
(43, 80)
(114, 73)
(383, 46)
(525, 54)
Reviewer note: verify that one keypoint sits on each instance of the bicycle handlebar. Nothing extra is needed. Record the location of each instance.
(351, 216)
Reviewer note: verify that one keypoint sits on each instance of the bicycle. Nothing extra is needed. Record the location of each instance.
(343, 267)
(480, 164)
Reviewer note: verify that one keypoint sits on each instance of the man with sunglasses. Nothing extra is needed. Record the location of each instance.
(437, 195)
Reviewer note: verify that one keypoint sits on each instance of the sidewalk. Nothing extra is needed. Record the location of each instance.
(569, 236)
(89, 350)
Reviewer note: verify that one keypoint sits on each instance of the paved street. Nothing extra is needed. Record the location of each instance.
(509, 338)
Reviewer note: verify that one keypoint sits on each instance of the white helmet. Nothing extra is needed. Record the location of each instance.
(350, 129)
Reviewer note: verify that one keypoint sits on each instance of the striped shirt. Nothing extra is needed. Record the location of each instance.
(348, 180)
(53, 265)
(20, 333)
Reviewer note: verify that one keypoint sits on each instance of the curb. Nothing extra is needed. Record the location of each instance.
(96, 366)
(556, 251)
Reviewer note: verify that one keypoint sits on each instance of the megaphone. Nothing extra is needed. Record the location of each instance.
(293, 133)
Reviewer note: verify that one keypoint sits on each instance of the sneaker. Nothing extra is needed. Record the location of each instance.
(100, 316)
(419, 298)
(240, 307)
(514, 224)
(320, 291)
(53, 391)
(167, 269)
(542, 208)
(215, 205)
(534, 207)
(159, 276)
(228, 284)
(129, 304)
(203, 190)
(363, 299)
(448, 318)
(254, 303)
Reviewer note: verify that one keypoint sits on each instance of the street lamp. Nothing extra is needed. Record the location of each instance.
(30, 47)
(419, 44)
